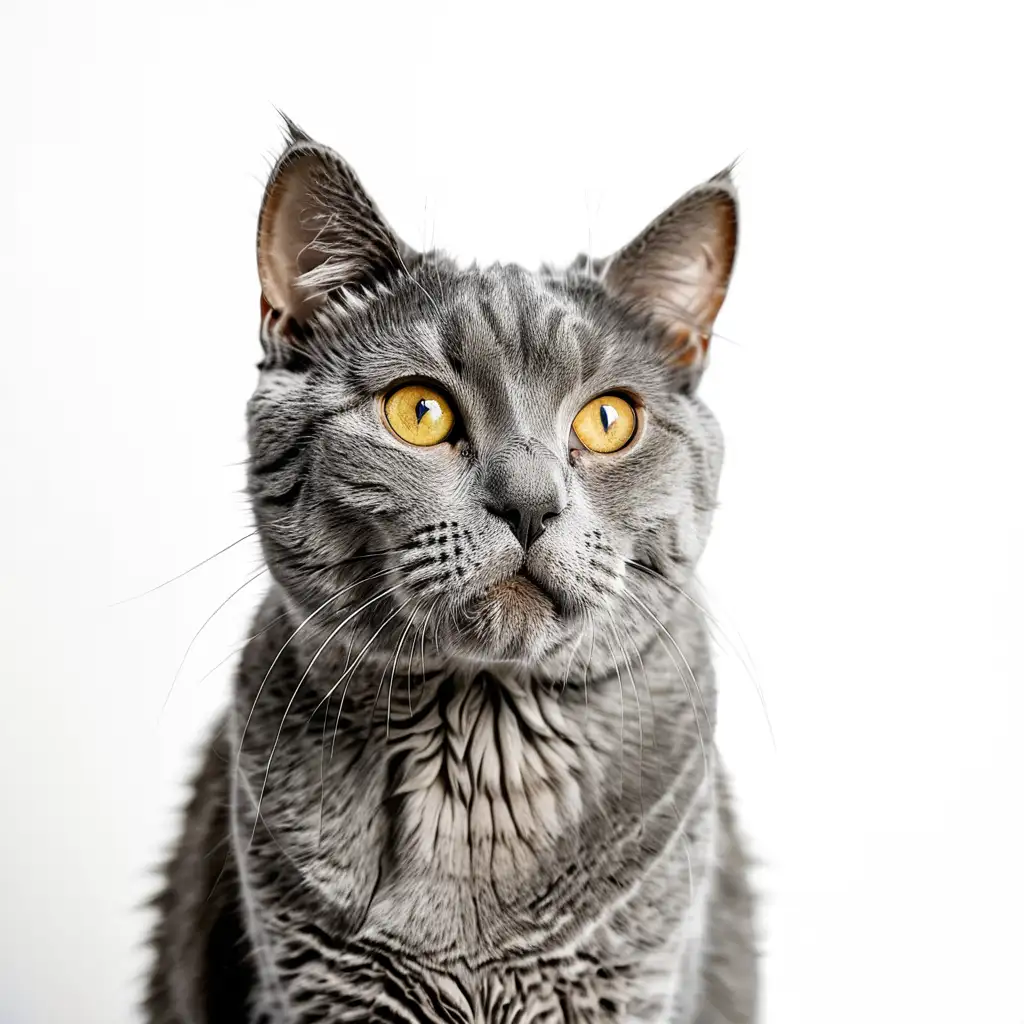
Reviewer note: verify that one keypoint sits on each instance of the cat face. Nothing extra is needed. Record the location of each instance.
(481, 459)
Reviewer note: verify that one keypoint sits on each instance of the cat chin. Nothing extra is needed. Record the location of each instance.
(514, 620)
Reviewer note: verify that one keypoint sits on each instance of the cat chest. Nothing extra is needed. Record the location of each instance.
(380, 983)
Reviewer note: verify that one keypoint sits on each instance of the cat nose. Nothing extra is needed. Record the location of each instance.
(528, 521)
(524, 485)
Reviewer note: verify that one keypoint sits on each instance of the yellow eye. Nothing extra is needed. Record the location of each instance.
(605, 424)
(419, 414)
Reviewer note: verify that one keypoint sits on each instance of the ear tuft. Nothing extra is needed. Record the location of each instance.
(293, 133)
(676, 271)
(726, 173)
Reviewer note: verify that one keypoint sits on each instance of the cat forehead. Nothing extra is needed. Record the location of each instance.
(503, 320)
(506, 315)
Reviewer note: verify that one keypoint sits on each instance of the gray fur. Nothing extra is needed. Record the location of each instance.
(460, 780)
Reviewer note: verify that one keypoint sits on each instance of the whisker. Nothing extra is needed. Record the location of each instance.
(227, 657)
(181, 575)
(430, 298)
(412, 662)
(572, 658)
(394, 666)
(661, 626)
(295, 693)
(323, 738)
(696, 720)
(355, 664)
(362, 557)
(246, 788)
(622, 715)
(722, 635)
(436, 648)
(237, 647)
(220, 875)
(650, 695)
(432, 249)
(670, 789)
(301, 626)
(323, 750)
(639, 716)
(199, 631)
(423, 657)
(586, 671)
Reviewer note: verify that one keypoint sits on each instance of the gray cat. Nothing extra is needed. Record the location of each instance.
(468, 772)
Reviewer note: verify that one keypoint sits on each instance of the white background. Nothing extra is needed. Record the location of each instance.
(868, 550)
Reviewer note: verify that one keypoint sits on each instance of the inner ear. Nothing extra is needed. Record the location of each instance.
(676, 271)
(319, 232)
(285, 235)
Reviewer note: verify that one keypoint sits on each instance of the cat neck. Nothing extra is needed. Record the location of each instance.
(472, 777)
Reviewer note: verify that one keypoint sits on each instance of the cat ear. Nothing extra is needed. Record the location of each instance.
(676, 271)
(319, 231)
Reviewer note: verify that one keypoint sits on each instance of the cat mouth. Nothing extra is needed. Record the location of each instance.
(524, 574)
(515, 618)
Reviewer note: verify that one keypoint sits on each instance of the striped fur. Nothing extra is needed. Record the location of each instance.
(460, 781)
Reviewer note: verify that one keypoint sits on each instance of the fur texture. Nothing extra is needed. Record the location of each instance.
(468, 776)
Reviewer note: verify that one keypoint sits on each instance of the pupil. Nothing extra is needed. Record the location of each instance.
(609, 415)
(427, 405)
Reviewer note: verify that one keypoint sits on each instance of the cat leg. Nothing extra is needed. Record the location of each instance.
(730, 962)
(202, 971)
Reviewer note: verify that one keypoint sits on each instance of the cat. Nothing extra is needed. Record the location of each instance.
(468, 773)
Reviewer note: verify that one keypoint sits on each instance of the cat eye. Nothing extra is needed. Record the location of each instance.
(419, 414)
(605, 424)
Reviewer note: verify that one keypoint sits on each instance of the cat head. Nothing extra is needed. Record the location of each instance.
(498, 457)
